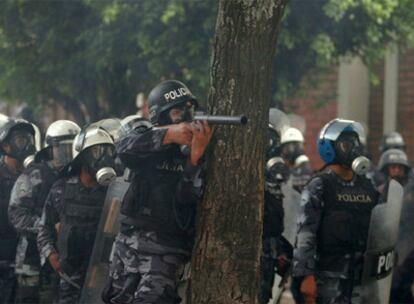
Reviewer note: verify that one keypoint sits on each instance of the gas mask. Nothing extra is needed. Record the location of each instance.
(21, 146)
(178, 114)
(99, 161)
(292, 150)
(350, 153)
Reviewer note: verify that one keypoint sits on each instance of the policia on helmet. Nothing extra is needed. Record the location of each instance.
(16, 145)
(334, 219)
(26, 203)
(73, 207)
(157, 224)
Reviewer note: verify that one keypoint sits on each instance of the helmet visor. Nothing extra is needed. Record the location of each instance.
(334, 129)
(20, 139)
(62, 154)
(99, 151)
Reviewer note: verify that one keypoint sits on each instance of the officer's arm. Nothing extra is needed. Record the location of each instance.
(191, 185)
(22, 205)
(46, 237)
(307, 226)
(139, 144)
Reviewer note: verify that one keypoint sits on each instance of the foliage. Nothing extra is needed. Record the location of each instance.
(102, 53)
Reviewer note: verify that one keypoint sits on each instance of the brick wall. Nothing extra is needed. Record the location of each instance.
(317, 108)
(405, 116)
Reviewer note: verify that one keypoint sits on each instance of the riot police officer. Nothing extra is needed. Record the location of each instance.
(16, 145)
(157, 223)
(293, 153)
(276, 250)
(73, 208)
(394, 164)
(27, 199)
(334, 219)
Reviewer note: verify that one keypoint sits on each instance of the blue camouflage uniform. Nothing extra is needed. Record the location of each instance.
(157, 219)
(26, 203)
(332, 232)
(8, 237)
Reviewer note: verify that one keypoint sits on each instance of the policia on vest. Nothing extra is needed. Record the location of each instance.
(16, 145)
(334, 219)
(73, 208)
(26, 203)
(156, 233)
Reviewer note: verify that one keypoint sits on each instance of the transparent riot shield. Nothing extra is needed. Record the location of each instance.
(291, 205)
(98, 270)
(405, 243)
(379, 257)
(279, 120)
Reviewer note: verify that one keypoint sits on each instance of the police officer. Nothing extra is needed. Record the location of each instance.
(16, 144)
(157, 227)
(27, 199)
(394, 164)
(293, 153)
(276, 251)
(73, 208)
(334, 219)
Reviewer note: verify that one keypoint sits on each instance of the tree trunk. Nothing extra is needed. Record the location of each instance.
(226, 257)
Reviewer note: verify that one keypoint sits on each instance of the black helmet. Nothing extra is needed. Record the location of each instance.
(392, 140)
(167, 95)
(6, 126)
(393, 157)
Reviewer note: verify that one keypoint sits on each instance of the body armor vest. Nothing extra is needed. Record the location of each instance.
(345, 220)
(8, 236)
(81, 214)
(151, 201)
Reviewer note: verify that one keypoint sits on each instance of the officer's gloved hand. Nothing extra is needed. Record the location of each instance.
(54, 262)
(308, 289)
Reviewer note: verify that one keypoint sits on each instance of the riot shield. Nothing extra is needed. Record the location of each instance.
(405, 243)
(380, 253)
(98, 270)
(291, 205)
(279, 120)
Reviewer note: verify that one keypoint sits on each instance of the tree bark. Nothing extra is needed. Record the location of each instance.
(226, 256)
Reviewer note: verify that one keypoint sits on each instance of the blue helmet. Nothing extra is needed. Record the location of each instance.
(330, 133)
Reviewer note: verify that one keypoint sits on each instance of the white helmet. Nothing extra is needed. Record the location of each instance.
(58, 143)
(61, 131)
(291, 135)
(110, 125)
(90, 137)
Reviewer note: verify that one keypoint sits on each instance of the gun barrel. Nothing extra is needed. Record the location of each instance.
(222, 120)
